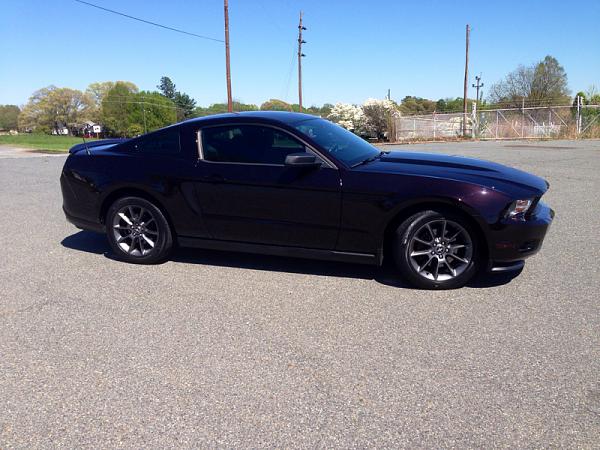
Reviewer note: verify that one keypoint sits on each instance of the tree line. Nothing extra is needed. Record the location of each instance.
(124, 110)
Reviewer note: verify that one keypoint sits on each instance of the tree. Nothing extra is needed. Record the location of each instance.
(379, 115)
(126, 112)
(325, 110)
(221, 108)
(116, 107)
(51, 108)
(9, 117)
(185, 106)
(97, 91)
(167, 87)
(416, 105)
(351, 117)
(151, 111)
(593, 95)
(544, 82)
(275, 105)
(449, 105)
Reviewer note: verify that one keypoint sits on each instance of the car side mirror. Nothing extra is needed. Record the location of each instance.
(303, 159)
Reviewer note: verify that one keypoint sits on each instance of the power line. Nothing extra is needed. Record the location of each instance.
(149, 22)
(133, 102)
(286, 92)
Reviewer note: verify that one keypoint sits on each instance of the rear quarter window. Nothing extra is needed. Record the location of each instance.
(165, 143)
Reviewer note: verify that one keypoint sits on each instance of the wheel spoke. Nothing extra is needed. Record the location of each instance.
(122, 238)
(463, 260)
(155, 233)
(443, 229)
(421, 241)
(125, 218)
(420, 252)
(131, 213)
(454, 236)
(430, 231)
(148, 240)
(457, 246)
(452, 269)
(132, 245)
(142, 212)
(436, 269)
(420, 268)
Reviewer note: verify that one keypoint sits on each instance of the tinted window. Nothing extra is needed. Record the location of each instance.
(248, 144)
(338, 141)
(164, 143)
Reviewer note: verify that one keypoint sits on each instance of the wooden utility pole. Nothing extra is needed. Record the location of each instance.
(464, 130)
(300, 56)
(227, 64)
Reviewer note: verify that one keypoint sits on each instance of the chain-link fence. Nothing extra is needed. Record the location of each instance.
(517, 123)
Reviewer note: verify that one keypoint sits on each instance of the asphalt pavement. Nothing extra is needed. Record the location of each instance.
(219, 349)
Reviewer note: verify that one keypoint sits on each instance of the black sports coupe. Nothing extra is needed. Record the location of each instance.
(297, 185)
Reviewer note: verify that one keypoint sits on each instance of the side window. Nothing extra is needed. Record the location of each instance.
(248, 144)
(165, 143)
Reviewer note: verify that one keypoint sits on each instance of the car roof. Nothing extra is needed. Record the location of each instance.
(285, 117)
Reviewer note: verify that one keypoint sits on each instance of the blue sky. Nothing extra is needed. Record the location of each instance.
(355, 50)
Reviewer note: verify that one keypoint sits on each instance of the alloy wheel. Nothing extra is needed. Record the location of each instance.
(440, 250)
(135, 230)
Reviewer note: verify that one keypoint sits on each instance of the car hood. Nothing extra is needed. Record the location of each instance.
(486, 173)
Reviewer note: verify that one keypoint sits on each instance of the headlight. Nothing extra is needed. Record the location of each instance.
(518, 207)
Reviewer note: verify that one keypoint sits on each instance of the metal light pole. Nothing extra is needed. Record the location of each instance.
(300, 56)
(478, 86)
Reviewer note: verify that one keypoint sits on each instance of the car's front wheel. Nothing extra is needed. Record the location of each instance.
(436, 250)
(138, 231)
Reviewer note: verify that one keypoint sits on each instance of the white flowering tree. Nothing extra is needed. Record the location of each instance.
(379, 116)
(349, 116)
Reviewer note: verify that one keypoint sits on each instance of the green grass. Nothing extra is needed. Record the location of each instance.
(47, 142)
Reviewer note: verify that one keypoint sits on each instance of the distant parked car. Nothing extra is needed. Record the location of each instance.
(296, 185)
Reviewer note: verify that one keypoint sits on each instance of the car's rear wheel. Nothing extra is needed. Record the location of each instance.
(138, 231)
(436, 250)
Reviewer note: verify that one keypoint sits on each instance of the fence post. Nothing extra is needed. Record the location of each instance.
(497, 122)
(474, 122)
(523, 119)
(434, 125)
(578, 116)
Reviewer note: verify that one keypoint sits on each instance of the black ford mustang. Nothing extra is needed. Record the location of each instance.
(296, 185)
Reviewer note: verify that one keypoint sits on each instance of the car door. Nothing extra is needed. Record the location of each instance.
(248, 194)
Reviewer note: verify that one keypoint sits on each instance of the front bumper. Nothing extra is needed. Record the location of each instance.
(511, 241)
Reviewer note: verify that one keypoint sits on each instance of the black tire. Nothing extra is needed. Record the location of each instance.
(412, 250)
(134, 220)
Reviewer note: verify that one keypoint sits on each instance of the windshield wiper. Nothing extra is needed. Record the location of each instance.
(371, 159)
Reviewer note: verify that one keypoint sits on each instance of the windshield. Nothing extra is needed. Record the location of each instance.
(339, 142)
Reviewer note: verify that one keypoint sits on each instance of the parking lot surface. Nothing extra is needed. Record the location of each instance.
(218, 349)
